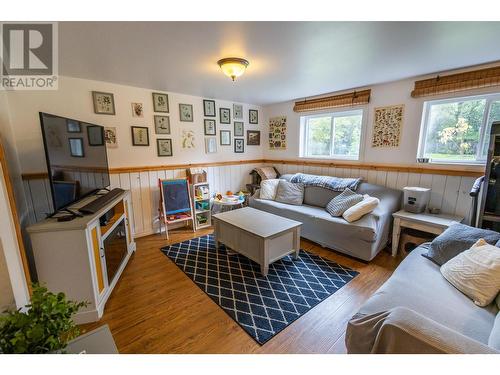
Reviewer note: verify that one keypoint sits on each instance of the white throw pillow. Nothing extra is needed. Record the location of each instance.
(356, 212)
(268, 188)
(475, 272)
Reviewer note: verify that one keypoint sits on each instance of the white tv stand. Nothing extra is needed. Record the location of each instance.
(82, 258)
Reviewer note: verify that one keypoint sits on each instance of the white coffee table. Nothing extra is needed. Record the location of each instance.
(258, 235)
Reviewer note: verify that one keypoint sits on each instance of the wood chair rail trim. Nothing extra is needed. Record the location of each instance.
(439, 169)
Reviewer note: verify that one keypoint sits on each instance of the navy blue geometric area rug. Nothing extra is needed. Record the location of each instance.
(262, 306)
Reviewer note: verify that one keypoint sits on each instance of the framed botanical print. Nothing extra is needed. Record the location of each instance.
(140, 136)
(238, 111)
(209, 108)
(210, 128)
(238, 129)
(239, 145)
(225, 115)
(225, 137)
(186, 112)
(160, 102)
(137, 110)
(104, 103)
(187, 139)
(76, 147)
(210, 145)
(73, 126)
(253, 116)
(95, 135)
(162, 124)
(164, 147)
(110, 137)
(253, 137)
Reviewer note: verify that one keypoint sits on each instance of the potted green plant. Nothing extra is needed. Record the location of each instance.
(44, 327)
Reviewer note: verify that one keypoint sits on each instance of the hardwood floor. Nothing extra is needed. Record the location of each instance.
(156, 308)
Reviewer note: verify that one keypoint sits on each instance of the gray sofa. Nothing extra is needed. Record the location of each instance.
(418, 311)
(362, 239)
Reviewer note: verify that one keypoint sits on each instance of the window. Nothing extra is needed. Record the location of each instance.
(333, 135)
(458, 130)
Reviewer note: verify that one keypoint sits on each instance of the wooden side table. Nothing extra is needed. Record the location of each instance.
(435, 224)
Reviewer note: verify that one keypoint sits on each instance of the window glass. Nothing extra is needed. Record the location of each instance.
(333, 135)
(453, 130)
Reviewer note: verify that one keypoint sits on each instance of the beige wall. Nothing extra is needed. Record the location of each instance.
(6, 294)
(74, 99)
(386, 94)
(10, 256)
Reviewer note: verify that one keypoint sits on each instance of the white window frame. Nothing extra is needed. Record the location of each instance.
(482, 133)
(304, 134)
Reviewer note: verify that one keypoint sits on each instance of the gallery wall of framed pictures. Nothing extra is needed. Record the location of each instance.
(143, 127)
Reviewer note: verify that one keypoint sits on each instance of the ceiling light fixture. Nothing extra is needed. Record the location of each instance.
(233, 67)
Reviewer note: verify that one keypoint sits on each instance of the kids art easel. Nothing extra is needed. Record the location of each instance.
(175, 203)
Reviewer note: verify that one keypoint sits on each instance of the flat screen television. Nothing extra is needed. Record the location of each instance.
(77, 162)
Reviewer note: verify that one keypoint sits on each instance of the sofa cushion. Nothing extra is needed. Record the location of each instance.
(356, 212)
(456, 239)
(343, 201)
(417, 284)
(475, 272)
(268, 188)
(364, 229)
(318, 196)
(290, 193)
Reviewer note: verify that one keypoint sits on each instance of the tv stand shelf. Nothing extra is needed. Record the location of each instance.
(82, 258)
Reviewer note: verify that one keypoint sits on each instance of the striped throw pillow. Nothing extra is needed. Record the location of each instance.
(338, 205)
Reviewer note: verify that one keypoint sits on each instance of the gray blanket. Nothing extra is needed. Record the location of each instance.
(327, 182)
(404, 331)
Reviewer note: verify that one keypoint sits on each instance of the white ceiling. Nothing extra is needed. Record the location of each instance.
(288, 60)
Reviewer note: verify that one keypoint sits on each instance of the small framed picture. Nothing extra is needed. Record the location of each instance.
(210, 145)
(110, 137)
(253, 137)
(225, 137)
(238, 129)
(137, 110)
(104, 103)
(209, 108)
(239, 145)
(253, 116)
(210, 128)
(73, 126)
(186, 112)
(140, 136)
(95, 135)
(162, 124)
(164, 147)
(225, 115)
(238, 112)
(160, 102)
(76, 147)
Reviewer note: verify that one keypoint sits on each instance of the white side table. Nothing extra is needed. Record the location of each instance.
(435, 224)
(224, 206)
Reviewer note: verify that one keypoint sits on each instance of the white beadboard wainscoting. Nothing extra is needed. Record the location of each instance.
(449, 193)
(144, 189)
